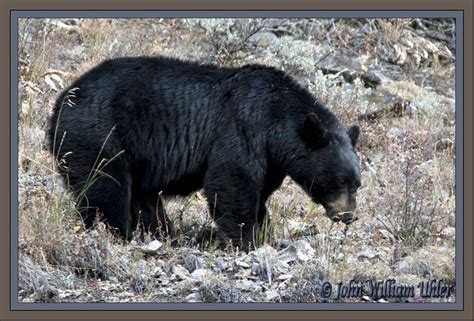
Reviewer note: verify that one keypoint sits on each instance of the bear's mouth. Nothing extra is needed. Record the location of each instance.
(344, 217)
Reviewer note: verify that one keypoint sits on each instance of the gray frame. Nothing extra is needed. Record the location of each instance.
(459, 271)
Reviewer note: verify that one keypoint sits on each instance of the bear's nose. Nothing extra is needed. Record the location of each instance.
(347, 217)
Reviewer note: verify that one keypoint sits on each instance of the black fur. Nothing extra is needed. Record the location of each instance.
(176, 127)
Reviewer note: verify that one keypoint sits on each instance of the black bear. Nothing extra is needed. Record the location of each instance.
(133, 130)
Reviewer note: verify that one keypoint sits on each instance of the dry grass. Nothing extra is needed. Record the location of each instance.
(405, 205)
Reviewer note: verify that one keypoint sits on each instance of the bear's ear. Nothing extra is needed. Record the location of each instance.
(353, 133)
(314, 132)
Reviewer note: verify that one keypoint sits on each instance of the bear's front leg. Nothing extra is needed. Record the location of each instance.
(149, 212)
(234, 203)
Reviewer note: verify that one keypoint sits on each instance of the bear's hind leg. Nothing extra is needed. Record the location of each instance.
(109, 196)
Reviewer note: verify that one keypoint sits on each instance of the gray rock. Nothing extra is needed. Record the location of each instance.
(193, 262)
(270, 263)
(242, 264)
(396, 131)
(299, 250)
(367, 253)
(271, 295)
(285, 277)
(255, 268)
(264, 39)
(349, 69)
(179, 273)
(221, 264)
(402, 267)
(193, 297)
(300, 228)
(448, 232)
(246, 285)
(201, 274)
(152, 247)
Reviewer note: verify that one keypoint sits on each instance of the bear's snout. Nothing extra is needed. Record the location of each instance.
(342, 209)
(347, 217)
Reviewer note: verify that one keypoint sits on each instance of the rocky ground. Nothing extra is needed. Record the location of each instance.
(395, 78)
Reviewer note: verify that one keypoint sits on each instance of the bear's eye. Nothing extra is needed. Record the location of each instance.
(358, 183)
(354, 187)
(347, 181)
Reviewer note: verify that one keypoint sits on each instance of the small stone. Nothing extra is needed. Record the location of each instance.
(24, 109)
(367, 253)
(221, 264)
(193, 297)
(396, 131)
(265, 252)
(65, 26)
(402, 267)
(288, 255)
(157, 270)
(271, 295)
(193, 262)
(285, 277)
(299, 250)
(265, 39)
(246, 285)
(152, 247)
(295, 227)
(201, 274)
(180, 273)
(255, 269)
(242, 264)
(300, 228)
(448, 232)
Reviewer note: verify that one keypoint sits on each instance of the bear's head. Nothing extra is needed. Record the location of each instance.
(327, 168)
